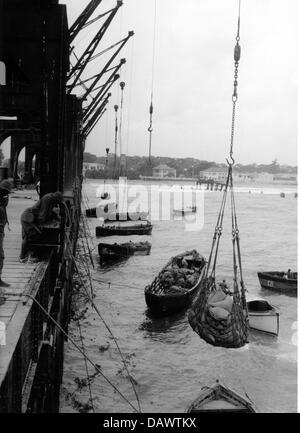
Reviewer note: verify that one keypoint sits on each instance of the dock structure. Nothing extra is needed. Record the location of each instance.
(42, 117)
(31, 355)
(211, 184)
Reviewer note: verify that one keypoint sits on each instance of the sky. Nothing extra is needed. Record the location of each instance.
(193, 78)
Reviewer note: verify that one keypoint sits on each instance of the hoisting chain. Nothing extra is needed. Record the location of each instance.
(237, 56)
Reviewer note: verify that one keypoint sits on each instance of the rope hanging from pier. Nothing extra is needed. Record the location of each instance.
(96, 367)
(90, 298)
(219, 315)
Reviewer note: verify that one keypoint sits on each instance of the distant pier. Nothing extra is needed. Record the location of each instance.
(211, 184)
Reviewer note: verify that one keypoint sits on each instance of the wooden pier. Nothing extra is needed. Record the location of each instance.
(31, 361)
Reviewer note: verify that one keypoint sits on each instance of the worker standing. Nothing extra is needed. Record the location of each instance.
(5, 189)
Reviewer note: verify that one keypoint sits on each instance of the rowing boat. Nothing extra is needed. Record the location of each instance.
(219, 398)
(124, 230)
(185, 211)
(176, 285)
(279, 282)
(263, 316)
(116, 251)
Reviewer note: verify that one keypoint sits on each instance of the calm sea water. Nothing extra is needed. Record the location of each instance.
(167, 360)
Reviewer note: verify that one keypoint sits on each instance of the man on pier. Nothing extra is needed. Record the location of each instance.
(40, 213)
(5, 189)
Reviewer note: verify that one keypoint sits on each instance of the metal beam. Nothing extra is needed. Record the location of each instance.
(96, 116)
(86, 56)
(97, 79)
(111, 79)
(83, 19)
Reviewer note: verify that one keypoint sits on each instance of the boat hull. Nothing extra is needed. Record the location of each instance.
(220, 399)
(265, 322)
(111, 252)
(182, 212)
(123, 231)
(165, 304)
(275, 281)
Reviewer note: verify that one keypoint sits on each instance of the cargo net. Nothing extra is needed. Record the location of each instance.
(218, 314)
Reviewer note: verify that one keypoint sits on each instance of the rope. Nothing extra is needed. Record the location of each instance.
(150, 129)
(86, 368)
(130, 95)
(237, 262)
(80, 350)
(105, 324)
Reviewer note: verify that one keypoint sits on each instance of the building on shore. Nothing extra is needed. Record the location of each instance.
(286, 178)
(217, 174)
(163, 170)
(93, 166)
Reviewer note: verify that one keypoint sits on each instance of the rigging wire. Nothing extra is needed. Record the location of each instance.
(79, 349)
(150, 129)
(103, 321)
(130, 95)
(86, 367)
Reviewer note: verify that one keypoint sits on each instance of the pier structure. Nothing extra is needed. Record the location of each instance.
(211, 184)
(40, 114)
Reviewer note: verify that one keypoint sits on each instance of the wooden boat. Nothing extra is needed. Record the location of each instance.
(116, 251)
(176, 285)
(279, 282)
(124, 230)
(127, 216)
(218, 398)
(185, 211)
(263, 316)
(110, 214)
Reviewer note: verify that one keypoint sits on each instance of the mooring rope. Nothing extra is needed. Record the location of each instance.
(80, 350)
(105, 324)
(86, 367)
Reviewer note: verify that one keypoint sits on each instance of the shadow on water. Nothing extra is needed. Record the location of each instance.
(166, 328)
(266, 293)
(110, 264)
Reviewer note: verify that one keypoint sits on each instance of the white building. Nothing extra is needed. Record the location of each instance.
(163, 171)
(94, 166)
(218, 174)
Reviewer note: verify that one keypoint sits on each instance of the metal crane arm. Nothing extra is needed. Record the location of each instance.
(81, 21)
(86, 56)
(96, 116)
(97, 79)
(111, 79)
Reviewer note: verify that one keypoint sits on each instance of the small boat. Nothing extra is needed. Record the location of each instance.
(279, 281)
(176, 285)
(218, 398)
(124, 230)
(116, 251)
(263, 316)
(185, 211)
(126, 216)
(109, 213)
(282, 195)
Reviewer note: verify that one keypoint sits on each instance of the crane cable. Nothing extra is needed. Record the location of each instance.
(150, 129)
(229, 185)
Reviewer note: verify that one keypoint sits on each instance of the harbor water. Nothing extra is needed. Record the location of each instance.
(168, 362)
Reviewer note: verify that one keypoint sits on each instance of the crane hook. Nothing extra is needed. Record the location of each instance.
(232, 161)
